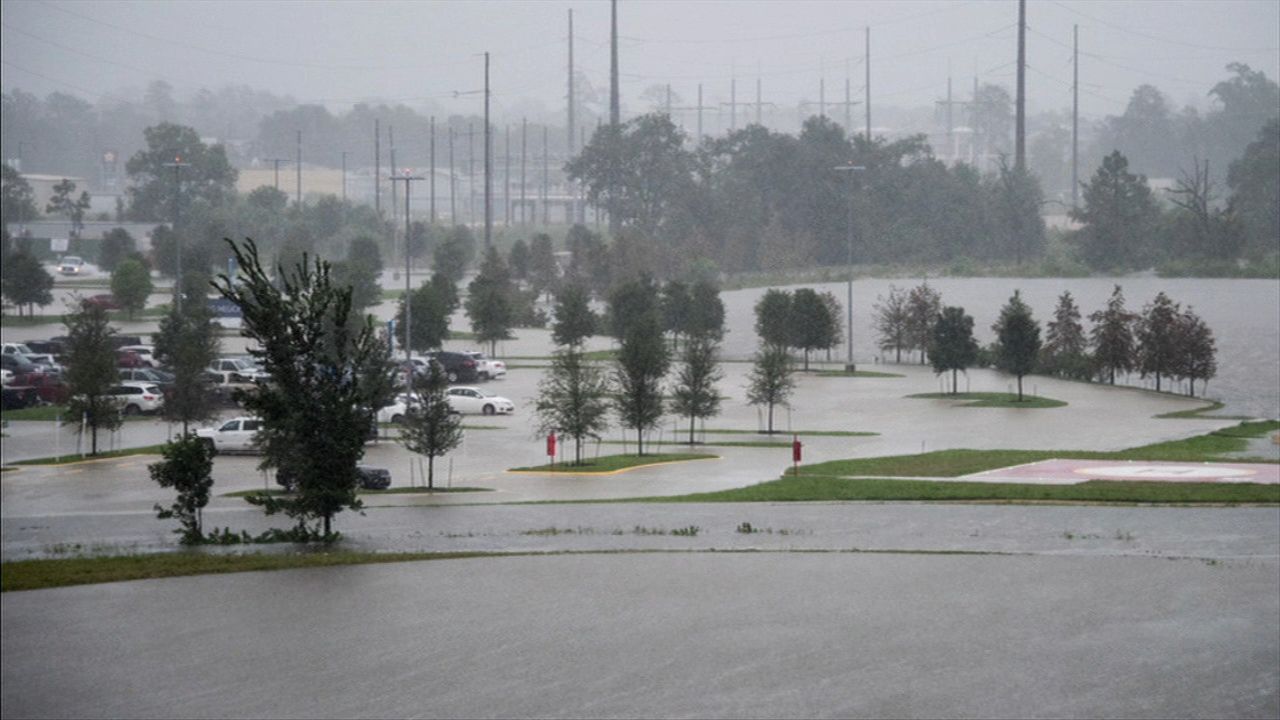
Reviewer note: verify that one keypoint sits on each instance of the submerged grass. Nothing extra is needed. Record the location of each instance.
(612, 463)
(993, 400)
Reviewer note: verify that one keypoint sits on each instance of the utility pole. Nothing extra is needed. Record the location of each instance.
(546, 180)
(177, 166)
(488, 162)
(950, 104)
(344, 177)
(391, 157)
(408, 286)
(849, 365)
(867, 62)
(733, 104)
(453, 183)
(506, 185)
(276, 162)
(471, 173)
(822, 88)
(432, 181)
(848, 101)
(377, 167)
(758, 101)
(699, 114)
(1020, 140)
(524, 156)
(615, 112)
(299, 170)
(668, 102)
(1075, 115)
(569, 109)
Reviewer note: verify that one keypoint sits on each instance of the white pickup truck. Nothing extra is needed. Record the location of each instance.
(237, 435)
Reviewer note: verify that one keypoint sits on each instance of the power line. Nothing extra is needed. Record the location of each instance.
(1149, 36)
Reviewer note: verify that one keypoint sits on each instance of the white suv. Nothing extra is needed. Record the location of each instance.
(237, 435)
(137, 397)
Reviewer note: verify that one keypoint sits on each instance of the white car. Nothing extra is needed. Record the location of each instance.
(395, 412)
(237, 435)
(471, 401)
(71, 265)
(137, 397)
(6, 377)
(237, 365)
(488, 368)
(50, 364)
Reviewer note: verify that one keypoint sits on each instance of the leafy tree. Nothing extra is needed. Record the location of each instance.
(992, 118)
(924, 305)
(208, 177)
(953, 347)
(434, 303)
(1254, 180)
(589, 260)
(892, 322)
(17, 200)
(188, 468)
(1017, 339)
(187, 344)
(430, 427)
(117, 244)
(705, 319)
(771, 381)
(1015, 198)
(268, 199)
(835, 328)
(1118, 217)
(73, 209)
(326, 383)
(1065, 350)
(575, 322)
(694, 395)
(1145, 133)
(362, 278)
(1157, 335)
(676, 304)
(489, 301)
(573, 398)
(131, 286)
(518, 259)
(455, 254)
(812, 326)
(25, 281)
(1201, 229)
(1196, 351)
(631, 302)
(543, 271)
(774, 317)
(642, 363)
(1114, 347)
(91, 372)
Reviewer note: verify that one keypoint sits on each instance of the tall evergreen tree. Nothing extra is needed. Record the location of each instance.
(575, 322)
(116, 245)
(430, 427)
(771, 382)
(434, 303)
(518, 259)
(705, 319)
(187, 344)
(630, 302)
(1017, 339)
(24, 281)
(489, 301)
(91, 372)
(543, 270)
(1157, 335)
(1196, 350)
(641, 365)
(953, 347)
(811, 323)
(676, 306)
(573, 399)
(131, 285)
(1065, 348)
(1114, 347)
(774, 317)
(1118, 217)
(694, 395)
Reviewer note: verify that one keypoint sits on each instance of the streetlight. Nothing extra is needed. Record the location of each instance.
(407, 179)
(177, 166)
(850, 169)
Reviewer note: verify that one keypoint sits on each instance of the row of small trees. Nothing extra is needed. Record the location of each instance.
(1165, 340)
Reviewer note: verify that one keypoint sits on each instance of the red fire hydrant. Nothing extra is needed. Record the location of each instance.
(551, 446)
(796, 452)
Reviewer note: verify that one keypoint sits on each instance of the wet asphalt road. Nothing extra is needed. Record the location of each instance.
(667, 635)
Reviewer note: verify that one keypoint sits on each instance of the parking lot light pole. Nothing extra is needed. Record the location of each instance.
(177, 166)
(849, 366)
(407, 179)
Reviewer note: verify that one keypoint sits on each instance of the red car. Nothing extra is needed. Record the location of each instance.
(50, 389)
(106, 301)
(130, 359)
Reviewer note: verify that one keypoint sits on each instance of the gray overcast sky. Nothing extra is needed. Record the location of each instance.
(414, 52)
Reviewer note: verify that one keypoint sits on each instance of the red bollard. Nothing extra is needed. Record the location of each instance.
(551, 447)
(795, 455)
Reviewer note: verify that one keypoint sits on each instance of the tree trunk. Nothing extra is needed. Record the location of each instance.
(1019, 388)
(691, 428)
(898, 349)
(770, 418)
(577, 450)
(327, 518)
(806, 360)
(431, 471)
(1191, 387)
(640, 441)
(1113, 376)
(1157, 382)
(93, 442)
(955, 383)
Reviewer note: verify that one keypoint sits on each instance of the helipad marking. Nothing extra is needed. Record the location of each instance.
(1069, 472)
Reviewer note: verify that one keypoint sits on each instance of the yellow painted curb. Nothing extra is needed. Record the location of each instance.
(562, 473)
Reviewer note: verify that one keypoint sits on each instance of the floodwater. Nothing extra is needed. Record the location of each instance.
(1243, 314)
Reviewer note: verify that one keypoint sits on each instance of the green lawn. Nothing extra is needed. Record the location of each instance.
(993, 400)
(50, 413)
(70, 458)
(274, 492)
(872, 478)
(610, 463)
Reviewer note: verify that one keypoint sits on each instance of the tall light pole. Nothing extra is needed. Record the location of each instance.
(407, 178)
(849, 364)
(276, 163)
(344, 177)
(177, 166)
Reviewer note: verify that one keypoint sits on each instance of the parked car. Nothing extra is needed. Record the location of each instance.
(30, 354)
(6, 376)
(154, 376)
(54, 347)
(106, 301)
(137, 397)
(130, 359)
(71, 265)
(458, 367)
(16, 397)
(120, 341)
(22, 368)
(472, 401)
(488, 368)
(224, 384)
(237, 435)
(370, 478)
(237, 365)
(50, 389)
(147, 352)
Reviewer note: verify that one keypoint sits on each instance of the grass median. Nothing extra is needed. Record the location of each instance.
(616, 463)
(992, 400)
